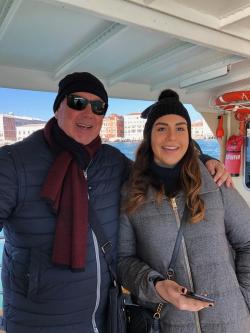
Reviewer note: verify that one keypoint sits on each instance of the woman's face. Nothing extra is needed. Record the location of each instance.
(169, 139)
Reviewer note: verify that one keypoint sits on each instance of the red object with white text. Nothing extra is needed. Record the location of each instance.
(233, 154)
(220, 130)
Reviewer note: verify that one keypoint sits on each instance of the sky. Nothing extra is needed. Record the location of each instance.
(39, 104)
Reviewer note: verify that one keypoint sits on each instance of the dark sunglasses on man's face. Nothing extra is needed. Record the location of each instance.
(79, 103)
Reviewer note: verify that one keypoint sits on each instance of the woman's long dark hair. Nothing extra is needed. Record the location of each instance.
(141, 178)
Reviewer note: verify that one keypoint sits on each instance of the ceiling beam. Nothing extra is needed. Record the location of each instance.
(13, 77)
(235, 17)
(8, 10)
(78, 55)
(176, 80)
(204, 77)
(147, 2)
(168, 55)
(132, 14)
(185, 12)
(191, 14)
(230, 79)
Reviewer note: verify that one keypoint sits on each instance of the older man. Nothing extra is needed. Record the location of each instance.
(54, 276)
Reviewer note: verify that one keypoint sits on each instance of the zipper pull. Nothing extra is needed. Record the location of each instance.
(157, 314)
(173, 203)
(85, 174)
(170, 274)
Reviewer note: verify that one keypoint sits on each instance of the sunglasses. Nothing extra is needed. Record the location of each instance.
(80, 103)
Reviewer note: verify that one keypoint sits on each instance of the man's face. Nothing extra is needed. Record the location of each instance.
(83, 126)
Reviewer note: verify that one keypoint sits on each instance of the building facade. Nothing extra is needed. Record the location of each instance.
(201, 130)
(112, 127)
(133, 127)
(7, 129)
(25, 130)
(10, 123)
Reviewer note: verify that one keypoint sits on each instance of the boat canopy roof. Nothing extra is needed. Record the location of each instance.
(136, 47)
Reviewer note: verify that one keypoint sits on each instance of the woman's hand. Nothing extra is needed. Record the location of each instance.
(219, 173)
(175, 294)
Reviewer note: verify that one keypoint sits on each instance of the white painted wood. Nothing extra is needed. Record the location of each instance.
(7, 13)
(236, 17)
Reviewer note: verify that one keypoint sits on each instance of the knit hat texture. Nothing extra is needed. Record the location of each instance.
(168, 103)
(80, 82)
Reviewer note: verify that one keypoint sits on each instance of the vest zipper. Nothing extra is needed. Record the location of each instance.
(85, 172)
(186, 260)
(98, 266)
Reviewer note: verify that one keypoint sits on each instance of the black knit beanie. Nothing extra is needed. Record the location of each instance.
(168, 103)
(80, 82)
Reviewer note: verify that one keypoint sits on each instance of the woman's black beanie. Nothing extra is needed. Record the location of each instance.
(80, 82)
(168, 103)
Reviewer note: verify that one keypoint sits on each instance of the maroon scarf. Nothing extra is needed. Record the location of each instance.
(66, 190)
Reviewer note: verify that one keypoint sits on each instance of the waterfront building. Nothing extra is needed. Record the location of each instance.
(25, 130)
(201, 130)
(7, 129)
(133, 127)
(112, 127)
(197, 129)
(207, 133)
(9, 124)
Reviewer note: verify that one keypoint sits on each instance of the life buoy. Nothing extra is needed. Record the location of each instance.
(234, 100)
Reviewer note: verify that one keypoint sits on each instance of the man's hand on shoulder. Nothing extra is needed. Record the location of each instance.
(219, 173)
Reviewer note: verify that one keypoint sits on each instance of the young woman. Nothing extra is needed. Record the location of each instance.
(214, 257)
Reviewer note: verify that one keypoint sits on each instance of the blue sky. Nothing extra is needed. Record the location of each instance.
(39, 104)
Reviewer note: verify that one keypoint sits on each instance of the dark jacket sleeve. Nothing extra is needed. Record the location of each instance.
(203, 157)
(8, 186)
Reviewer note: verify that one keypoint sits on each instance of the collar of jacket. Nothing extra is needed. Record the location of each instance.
(207, 184)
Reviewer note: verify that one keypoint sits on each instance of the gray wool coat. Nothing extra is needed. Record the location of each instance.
(218, 249)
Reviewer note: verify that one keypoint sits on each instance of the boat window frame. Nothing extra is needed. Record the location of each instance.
(246, 160)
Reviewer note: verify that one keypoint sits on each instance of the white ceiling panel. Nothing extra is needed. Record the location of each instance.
(137, 47)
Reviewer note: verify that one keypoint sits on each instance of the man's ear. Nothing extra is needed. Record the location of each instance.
(59, 107)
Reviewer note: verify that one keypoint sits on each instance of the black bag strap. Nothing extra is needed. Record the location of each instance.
(104, 243)
(106, 247)
(171, 267)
